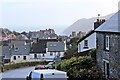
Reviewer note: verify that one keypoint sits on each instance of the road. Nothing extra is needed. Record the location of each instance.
(18, 74)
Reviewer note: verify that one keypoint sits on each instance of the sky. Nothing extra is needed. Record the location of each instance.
(33, 15)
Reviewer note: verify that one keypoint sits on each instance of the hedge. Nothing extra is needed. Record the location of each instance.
(23, 64)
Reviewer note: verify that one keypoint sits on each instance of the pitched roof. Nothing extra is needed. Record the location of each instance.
(39, 47)
(55, 46)
(111, 25)
(6, 52)
(22, 50)
(19, 43)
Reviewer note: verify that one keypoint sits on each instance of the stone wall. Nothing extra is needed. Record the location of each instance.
(113, 55)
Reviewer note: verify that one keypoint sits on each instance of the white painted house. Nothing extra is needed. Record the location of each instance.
(88, 42)
(44, 50)
(55, 50)
(47, 50)
(20, 51)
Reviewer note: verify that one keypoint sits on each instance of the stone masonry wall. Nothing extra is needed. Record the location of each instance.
(113, 55)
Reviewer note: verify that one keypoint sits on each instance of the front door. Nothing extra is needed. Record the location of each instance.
(106, 69)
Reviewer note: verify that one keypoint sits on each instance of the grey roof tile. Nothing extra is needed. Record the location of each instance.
(55, 46)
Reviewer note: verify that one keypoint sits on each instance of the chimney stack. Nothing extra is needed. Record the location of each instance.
(98, 23)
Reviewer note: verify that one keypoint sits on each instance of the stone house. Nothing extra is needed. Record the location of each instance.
(108, 47)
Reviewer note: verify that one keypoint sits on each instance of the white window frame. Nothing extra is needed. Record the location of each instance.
(106, 61)
(107, 42)
(85, 46)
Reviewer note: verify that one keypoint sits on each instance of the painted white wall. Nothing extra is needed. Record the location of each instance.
(91, 43)
(40, 57)
(46, 56)
(19, 58)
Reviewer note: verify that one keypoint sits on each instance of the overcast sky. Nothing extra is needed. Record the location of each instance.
(25, 15)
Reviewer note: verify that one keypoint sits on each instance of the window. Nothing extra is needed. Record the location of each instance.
(24, 57)
(106, 68)
(85, 43)
(43, 55)
(35, 55)
(58, 55)
(18, 56)
(51, 54)
(14, 57)
(107, 42)
(16, 49)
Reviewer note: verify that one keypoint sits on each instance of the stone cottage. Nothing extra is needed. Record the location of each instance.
(108, 47)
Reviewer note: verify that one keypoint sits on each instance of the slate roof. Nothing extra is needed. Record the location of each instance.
(18, 43)
(6, 52)
(22, 50)
(40, 47)
(111, 25)
(55, 46)
(22, 46)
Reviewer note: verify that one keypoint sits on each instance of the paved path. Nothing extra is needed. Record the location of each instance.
(17, 74)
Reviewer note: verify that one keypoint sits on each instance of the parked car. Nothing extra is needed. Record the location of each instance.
(47, 74)
(39, 67)
(49, 65)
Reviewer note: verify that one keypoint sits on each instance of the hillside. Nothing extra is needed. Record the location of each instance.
(83, 24)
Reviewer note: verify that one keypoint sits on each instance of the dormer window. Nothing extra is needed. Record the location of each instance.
(16, 49)
(85, 44)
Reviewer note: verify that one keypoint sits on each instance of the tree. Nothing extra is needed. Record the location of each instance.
(72, 48)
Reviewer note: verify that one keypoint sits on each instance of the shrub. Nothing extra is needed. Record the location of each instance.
(82, 68)
(93, 54)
